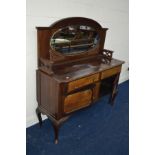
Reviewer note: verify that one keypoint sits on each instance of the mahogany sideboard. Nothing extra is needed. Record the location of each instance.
(74, 69)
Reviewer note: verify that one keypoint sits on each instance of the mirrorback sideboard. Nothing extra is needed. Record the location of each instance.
(74, 69)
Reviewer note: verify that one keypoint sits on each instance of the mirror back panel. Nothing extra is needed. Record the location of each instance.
(70, 39)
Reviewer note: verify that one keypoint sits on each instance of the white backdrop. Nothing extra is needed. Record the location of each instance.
(112, 14)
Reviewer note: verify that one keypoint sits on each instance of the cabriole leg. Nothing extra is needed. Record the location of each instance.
(56, 126)
(39, 116)
(56, 132)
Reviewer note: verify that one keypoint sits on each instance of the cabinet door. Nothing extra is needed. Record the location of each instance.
(77, 100)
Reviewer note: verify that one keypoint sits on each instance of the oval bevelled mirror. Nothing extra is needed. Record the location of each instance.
(74, 39)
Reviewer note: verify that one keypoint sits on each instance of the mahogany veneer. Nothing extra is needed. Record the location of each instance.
(67, 83)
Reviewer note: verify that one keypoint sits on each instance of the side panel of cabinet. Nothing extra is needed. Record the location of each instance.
(38, 86)
(47, 93)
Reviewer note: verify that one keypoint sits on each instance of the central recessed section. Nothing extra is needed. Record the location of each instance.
(74, 39)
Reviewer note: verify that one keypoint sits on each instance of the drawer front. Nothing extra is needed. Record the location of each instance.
(110, 72)
(82, 82)
(77, 100)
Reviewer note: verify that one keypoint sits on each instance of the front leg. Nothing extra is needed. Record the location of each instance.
(56, 126)
(56, 132)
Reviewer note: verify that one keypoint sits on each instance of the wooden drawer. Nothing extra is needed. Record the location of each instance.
(110, 72)
(77, 100)
(82, 82)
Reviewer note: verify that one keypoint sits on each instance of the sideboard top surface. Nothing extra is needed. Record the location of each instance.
(70, 72)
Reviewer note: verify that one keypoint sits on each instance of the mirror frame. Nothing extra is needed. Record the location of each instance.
(73, 53)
